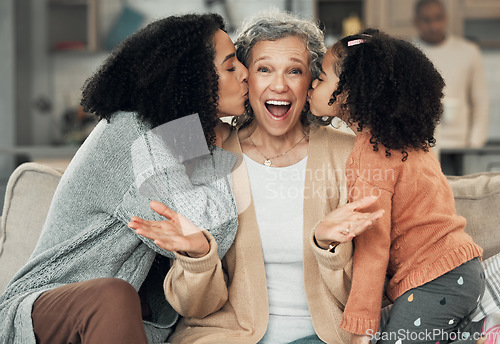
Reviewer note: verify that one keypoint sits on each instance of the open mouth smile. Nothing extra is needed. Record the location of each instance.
(278, 109)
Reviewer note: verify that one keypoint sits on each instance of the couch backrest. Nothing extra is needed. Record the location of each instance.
(27, 199)
(477, 198)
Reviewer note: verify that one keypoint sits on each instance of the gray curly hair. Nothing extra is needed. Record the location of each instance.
(274, 25)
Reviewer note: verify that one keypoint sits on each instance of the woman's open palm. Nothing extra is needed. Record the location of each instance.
(176, 233)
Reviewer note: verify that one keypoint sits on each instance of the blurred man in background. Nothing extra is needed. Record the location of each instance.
(464, 123)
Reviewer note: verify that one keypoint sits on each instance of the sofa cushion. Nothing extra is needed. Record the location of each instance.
(27, 199)
(477, 198)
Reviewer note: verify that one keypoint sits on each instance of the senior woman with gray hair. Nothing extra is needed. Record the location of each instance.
(278, 283)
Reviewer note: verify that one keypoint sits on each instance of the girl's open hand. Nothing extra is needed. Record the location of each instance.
(176, 233)
(344, 223)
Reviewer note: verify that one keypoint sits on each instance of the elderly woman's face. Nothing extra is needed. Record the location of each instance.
(278, 80)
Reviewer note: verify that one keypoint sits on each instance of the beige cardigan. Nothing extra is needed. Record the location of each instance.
(226, 302)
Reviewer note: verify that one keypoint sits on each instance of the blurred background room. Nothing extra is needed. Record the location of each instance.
(50, 47)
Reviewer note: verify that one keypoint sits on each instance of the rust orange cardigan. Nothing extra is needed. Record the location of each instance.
(419, 238)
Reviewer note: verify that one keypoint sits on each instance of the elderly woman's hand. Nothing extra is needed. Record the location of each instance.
(344, 223)
(176, 233)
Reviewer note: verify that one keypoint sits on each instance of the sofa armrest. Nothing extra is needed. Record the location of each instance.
(27, 199)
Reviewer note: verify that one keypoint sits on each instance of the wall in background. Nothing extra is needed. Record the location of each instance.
(7, 100)
(492, 69)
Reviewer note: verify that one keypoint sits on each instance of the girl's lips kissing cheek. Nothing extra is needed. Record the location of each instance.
(278, 109)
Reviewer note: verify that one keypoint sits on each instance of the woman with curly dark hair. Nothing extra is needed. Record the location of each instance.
(389, 93)
(160, 94)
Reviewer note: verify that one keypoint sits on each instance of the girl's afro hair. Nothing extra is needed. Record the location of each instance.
(392, 88)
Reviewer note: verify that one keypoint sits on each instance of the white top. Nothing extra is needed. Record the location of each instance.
(278, 195)
(466, 109)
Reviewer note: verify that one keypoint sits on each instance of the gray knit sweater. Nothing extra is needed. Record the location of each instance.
(117, 171)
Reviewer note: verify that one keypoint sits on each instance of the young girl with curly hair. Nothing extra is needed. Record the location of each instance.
(389, 93)
(91, 278)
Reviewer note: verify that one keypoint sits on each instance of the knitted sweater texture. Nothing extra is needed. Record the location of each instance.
(113, 176)
(419, 238)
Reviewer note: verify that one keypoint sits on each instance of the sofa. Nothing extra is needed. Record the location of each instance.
(31, 186)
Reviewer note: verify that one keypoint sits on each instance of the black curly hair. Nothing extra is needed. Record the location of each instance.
(391, 87)
(162, 72)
